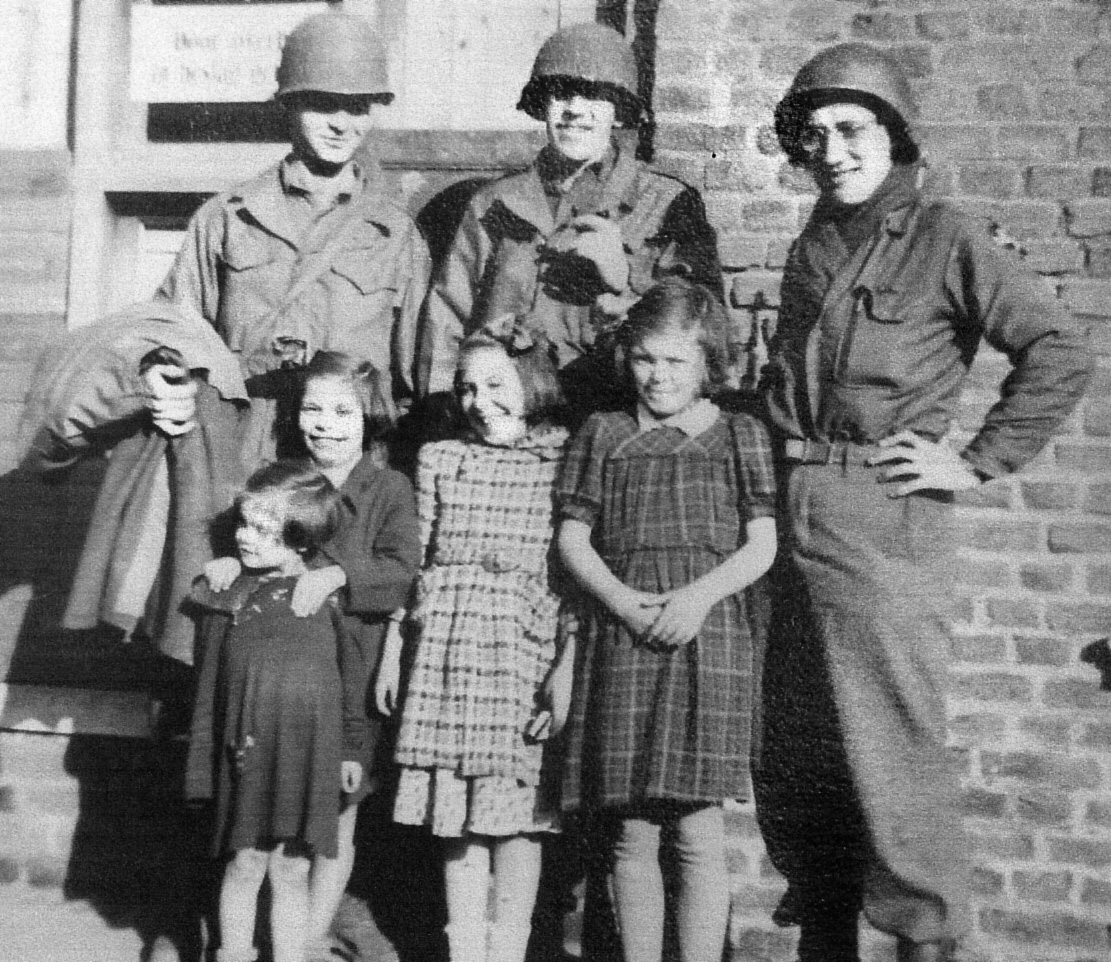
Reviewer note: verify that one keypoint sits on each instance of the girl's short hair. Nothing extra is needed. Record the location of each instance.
(677, 304)
(534, 357)
(368, 384)
(305, 500)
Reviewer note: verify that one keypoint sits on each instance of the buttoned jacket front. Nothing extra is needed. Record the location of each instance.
(890, 346)
(245, 254)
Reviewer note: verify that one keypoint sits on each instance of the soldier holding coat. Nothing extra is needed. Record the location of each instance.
(315, 253)
(312, 254)
(886, 297)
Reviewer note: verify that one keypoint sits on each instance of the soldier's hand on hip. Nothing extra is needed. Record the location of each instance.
(919, 464)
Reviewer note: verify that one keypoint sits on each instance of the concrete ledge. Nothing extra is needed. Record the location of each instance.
(48, 710)
(40, 924)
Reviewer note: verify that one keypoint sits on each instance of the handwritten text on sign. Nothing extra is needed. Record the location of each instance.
(210, 54)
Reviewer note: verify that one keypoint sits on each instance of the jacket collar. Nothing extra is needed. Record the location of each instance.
(857, 224)
(296, 178)
(525, 196)
(363, 474)
(560, 175)
(264, 198)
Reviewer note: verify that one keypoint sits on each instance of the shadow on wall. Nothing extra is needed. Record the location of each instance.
(95, 806)
(44, 526)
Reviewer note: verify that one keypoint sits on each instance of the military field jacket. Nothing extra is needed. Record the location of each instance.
(245, 257)
(499, 260)
(905, 317)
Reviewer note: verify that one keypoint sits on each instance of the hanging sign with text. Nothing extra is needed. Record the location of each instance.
(210, 53)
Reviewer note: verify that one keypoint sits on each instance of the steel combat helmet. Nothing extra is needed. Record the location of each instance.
(857, 73)
(335, 53)
(590, 58)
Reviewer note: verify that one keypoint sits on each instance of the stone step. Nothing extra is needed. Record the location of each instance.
(38, 926)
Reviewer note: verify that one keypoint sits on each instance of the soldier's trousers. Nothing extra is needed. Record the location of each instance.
(856, 793)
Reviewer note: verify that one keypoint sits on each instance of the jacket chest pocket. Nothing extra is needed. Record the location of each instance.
(878, 345)
(357, 317)
(254, 274)
(248, 249)
(364, 271)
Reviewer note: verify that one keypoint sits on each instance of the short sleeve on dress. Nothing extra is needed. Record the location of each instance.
(755, 467)
(578, 493)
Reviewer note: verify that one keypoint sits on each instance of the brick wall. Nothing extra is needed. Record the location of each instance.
(1016, 127)
(34, 228)
(42, 526)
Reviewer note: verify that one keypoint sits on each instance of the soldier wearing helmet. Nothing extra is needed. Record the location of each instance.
(314, 253)
(886, 297)
(568, 245)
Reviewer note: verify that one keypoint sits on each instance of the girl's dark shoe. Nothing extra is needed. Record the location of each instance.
(830, 940)
(907, 951)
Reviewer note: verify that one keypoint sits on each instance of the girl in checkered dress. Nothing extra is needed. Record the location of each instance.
(482, 641)
(666, 516)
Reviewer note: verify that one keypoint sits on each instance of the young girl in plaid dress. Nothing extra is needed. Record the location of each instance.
(483, 631)
(666, 515)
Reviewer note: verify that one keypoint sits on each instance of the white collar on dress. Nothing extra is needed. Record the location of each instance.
(692, 421)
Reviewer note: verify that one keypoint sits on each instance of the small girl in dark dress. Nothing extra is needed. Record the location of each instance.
(276, 726)
(666, 516)
(368, 566)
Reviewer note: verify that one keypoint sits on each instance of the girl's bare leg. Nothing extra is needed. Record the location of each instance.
(467, 882)
(516, 879)
(289, 912)
(239, 890)
(329, 878)
(638, 889)
(702, 905)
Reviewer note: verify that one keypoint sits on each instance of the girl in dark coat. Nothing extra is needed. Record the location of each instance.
(370, 564)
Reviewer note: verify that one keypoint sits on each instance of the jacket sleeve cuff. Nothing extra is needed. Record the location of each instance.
(985, 468)
(376, 599)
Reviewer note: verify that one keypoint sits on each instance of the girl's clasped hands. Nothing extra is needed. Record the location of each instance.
(667, 619)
